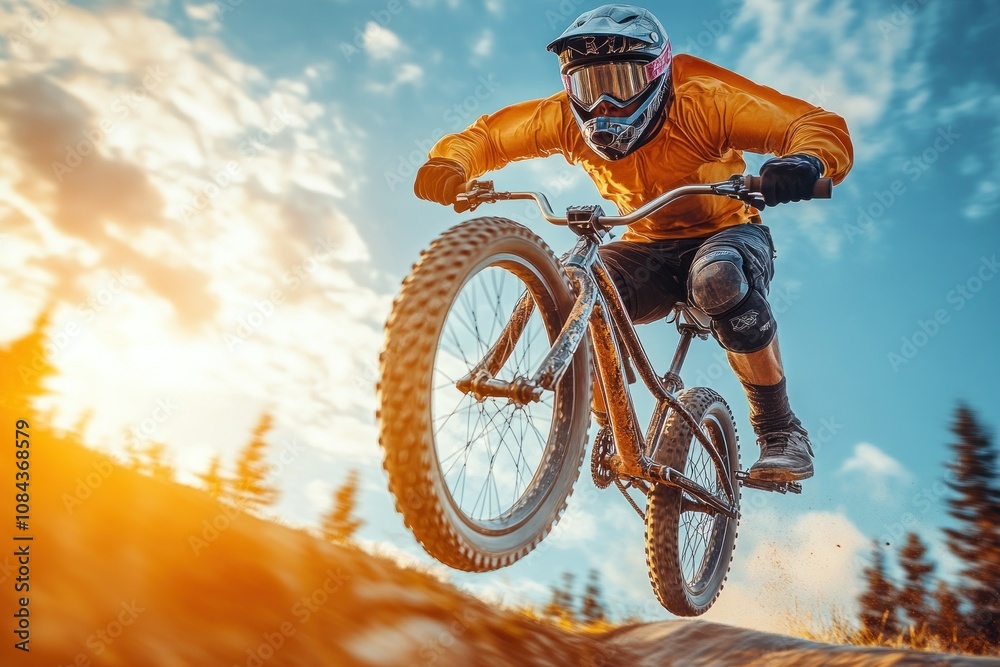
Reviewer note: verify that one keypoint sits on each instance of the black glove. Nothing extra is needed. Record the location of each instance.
(789, 178)
(440, 180)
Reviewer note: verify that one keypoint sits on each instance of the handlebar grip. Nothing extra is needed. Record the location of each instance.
(822, 190)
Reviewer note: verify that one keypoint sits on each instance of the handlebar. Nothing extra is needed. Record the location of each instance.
(742, 188)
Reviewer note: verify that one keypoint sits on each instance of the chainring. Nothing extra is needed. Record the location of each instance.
(600, 458)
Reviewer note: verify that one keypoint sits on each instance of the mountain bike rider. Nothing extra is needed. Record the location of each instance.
(641, 121)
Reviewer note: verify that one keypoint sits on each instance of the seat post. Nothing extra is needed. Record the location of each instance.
(673, 376)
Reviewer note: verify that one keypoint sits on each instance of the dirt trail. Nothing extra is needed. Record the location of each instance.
(130, 571)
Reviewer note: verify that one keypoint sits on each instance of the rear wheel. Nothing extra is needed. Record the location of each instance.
(689, 550)
(480, 480)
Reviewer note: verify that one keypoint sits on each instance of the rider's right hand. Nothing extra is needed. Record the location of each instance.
(440, 180)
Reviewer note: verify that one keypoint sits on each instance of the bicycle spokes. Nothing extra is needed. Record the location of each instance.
(697, 534)
(489, 448)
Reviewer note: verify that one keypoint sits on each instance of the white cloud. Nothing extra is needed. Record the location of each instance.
(576, 527)
(876, 468)
(483, 46)
(982, 100)
(495, 7)
(381, 43)
(217, 189)
(833, 54)
(207, 12)
(860, 72)
(406, 73)
(869, 460)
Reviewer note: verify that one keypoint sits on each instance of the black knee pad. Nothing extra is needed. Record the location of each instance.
(717, 282)
(748, 327)
(741, 317)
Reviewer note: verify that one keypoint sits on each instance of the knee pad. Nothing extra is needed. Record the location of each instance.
(741, 317)
(717, 282)
(748, 327)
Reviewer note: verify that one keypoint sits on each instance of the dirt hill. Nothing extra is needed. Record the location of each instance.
(131, 571)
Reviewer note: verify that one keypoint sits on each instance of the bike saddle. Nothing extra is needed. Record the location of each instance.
(684, 314)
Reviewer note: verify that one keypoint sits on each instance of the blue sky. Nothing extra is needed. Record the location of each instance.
(266, 289)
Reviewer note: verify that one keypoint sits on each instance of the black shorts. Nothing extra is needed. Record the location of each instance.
(652, 277)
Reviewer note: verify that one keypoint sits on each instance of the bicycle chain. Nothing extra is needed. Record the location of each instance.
(600, 459)
(635, 506)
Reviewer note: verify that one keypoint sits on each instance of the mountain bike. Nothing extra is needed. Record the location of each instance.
(493, 349)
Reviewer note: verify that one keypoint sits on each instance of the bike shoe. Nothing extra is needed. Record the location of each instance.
(785, 456)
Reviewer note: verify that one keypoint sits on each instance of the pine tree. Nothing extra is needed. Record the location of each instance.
(878, 602)
(155, 462)
(592, 609)
(946, 622)
(561, 605)
(976, 540)
(340, 524)
(251, 489)
(913, 595)
(212, 480)
(26, 367)
(133, 452)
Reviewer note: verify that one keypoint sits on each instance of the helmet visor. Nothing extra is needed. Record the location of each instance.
(617, 81)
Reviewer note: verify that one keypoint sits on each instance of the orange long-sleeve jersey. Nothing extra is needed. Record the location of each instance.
(716, 114)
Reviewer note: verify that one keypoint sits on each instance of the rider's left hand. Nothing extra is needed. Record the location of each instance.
(789, 178)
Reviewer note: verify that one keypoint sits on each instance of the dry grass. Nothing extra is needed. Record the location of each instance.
(839, 628)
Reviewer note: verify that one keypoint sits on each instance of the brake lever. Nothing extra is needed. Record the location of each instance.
(463, 204)
(735, 188)
(479, 192)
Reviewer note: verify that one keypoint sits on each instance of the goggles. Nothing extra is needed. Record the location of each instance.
(618, 81)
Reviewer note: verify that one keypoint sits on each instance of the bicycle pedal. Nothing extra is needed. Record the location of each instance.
(765, 485)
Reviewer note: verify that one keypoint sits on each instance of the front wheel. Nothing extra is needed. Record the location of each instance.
(480, 479)
(689, 549)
